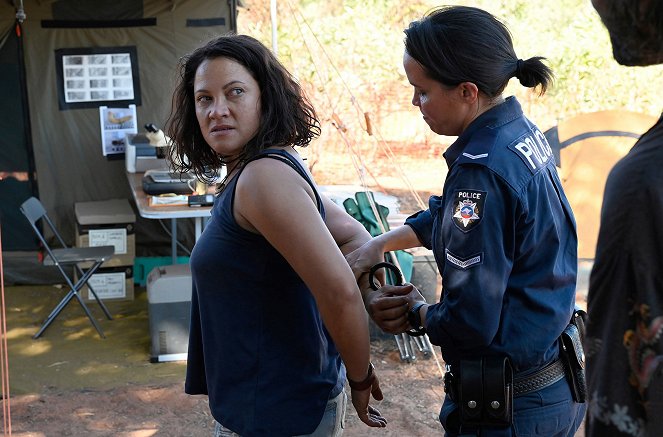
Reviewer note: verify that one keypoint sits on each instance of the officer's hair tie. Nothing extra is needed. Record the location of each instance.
(520, 65)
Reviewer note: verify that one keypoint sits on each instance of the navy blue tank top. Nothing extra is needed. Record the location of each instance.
(257, 344)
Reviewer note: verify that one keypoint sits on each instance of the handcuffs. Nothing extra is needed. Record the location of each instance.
(413, 317)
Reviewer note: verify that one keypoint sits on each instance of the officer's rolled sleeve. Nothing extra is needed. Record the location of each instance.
(422, 222)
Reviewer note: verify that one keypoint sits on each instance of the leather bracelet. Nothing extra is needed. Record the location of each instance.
(366, 383)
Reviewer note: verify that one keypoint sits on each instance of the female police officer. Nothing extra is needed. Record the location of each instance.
(502, 232)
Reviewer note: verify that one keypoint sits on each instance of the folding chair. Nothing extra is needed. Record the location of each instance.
(59, 257)
(373, 216)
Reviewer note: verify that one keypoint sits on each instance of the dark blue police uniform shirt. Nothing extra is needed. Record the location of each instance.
(505, 242)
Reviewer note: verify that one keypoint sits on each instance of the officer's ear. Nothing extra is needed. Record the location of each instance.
(468, 92)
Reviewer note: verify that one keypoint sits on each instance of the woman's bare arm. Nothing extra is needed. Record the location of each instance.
(274, 201)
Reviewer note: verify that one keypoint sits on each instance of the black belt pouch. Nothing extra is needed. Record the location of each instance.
(573, 357)
(485, 392)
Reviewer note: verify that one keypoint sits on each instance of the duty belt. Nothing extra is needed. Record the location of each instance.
(543, 378)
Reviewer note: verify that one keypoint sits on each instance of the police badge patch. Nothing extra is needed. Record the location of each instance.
(467, 208)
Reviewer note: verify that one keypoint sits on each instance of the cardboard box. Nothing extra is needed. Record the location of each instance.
(110, 284)
(108, 222)
(124, 242)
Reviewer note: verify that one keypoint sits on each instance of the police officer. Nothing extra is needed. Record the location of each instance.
(502, 232)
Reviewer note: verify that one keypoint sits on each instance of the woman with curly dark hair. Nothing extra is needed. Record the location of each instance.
(277, 316)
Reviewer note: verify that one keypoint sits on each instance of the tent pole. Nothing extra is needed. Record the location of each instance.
(272, 13)
(232, 5)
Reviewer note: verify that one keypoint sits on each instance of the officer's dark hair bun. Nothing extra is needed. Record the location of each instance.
(458, 44)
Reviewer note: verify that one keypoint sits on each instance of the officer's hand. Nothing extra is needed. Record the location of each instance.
(414, 296)
(362, 259)
(388, 307)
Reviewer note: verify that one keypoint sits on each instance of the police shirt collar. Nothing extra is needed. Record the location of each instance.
(494, 117)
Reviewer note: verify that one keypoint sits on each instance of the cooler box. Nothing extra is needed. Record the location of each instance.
(169, 307)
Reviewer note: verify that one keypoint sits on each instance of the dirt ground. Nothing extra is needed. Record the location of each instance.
(70, 382)
(413, 393)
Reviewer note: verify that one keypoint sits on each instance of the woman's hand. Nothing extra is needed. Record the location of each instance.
(361, 396)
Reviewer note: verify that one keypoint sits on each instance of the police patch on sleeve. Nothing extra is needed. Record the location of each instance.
(467, 208)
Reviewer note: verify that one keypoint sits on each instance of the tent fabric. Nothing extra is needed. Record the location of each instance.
(16, 163)
(68, 156)
(67, 143)
(82, 10)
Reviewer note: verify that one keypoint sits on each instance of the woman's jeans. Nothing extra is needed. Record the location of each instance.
(549, 412)
(331, 425)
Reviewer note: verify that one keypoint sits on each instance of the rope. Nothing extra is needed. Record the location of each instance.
(4, 357)
(361, 114)
(355, 156)
(357, 162)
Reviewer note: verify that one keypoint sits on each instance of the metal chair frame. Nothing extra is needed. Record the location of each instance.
(60, 257)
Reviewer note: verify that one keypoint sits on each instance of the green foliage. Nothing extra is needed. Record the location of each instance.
(348, 57)
(359, 44)
(569, 33)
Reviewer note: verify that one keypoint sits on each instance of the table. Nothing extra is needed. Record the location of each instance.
(166, 212)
